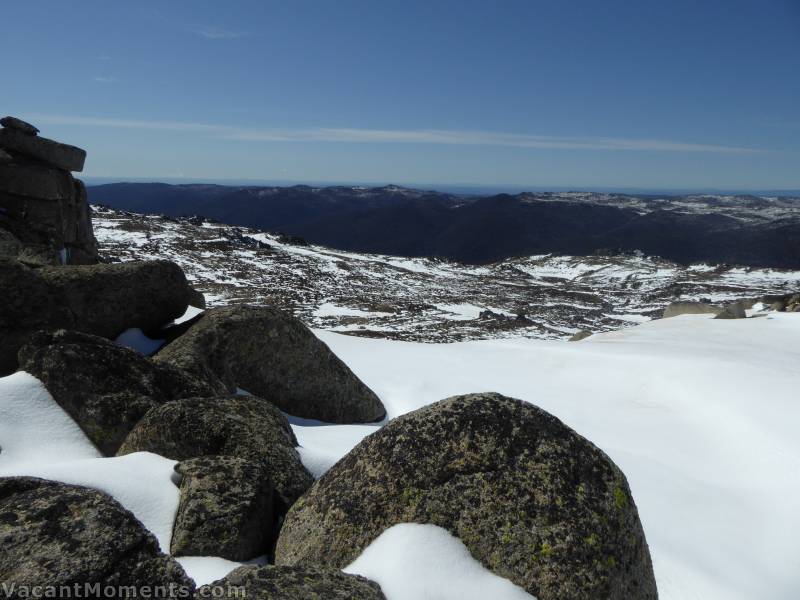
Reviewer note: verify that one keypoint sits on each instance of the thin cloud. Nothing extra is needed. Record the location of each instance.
(212, 33)
(397, 136)
(105, 79)
(103, 57)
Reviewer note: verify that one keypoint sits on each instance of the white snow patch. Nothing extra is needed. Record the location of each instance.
(208, 569)
(327, 309)
(412, 561)
(33, 428)
(700, 414)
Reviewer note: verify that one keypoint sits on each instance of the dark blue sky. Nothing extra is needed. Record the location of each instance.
(660, 94)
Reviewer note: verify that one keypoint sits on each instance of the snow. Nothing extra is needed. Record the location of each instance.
(33, 428)
(700, 414)
(191, 313)
(412, 561)
(327, 309)
(136, 340)
(208, 569)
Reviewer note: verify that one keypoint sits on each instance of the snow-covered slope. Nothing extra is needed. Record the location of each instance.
(700, 414)
(425, 299)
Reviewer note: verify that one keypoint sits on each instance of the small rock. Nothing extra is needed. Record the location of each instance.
(104, 387)
(225, 510)
(242, 426)
(273, 355)
(5, 157)
(734, 310)
(581, 335)
(55, 154)
(19, 125)
(690, 308)
(57, 534)
(294, 583)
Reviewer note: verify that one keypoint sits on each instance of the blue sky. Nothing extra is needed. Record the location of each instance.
(648, 94)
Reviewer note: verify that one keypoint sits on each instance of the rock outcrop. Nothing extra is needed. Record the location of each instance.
(273, 355)
(56, 534)
(103, 300)
(532, 500)
(226, 509)
(41, 204)
(104, 387)
(295, 583)
(240, 426)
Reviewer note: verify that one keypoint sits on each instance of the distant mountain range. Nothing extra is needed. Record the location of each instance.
(744, 230)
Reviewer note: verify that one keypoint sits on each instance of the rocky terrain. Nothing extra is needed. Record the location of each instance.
(169, 423)
(421, 299)
(744, 230)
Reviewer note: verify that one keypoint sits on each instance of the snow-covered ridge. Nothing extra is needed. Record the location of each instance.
(425, 299)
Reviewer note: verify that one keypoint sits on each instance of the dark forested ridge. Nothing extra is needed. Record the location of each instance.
(745, 230)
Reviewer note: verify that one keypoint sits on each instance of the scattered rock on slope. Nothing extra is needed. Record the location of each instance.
(532, 500)
(104, 387)
(241, 426)
(225, 510)
(690, 308)
(296, 583)
(273, 355)
(734, 310)
(104, 300)
(58, 534)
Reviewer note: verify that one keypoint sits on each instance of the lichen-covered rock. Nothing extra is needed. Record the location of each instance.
(56, 534)
(103, 300)
(104, 387)
(294, 583)
(226, 509)
(273, 355)
(242, 426)
(532, 500)
(580, 335)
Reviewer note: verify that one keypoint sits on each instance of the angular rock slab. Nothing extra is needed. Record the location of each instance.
(19, 125)
(55, 154)
(241, 426)
(273, 355)
(532, 500)
(58, 534)
(226, 509)
(103, 300)
(104, 387)
(294, 583)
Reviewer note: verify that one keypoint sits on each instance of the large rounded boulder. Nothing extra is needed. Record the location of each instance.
(104, 387)
(531, 499)
(55, 534)
(273, 355)
(103, 300)
(240, 426)
(293, 583)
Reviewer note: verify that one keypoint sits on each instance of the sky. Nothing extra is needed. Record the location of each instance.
(685, 94)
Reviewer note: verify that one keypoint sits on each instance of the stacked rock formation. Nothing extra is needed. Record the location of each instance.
(44, 216)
